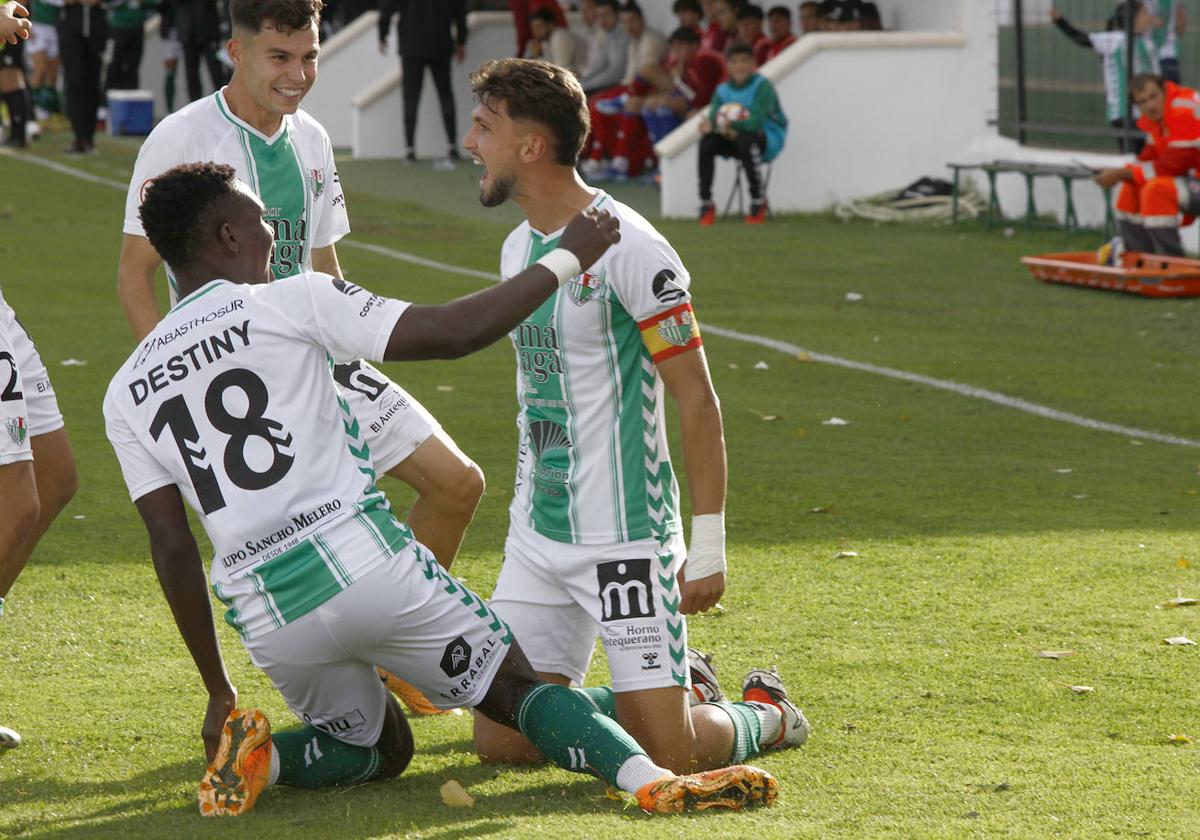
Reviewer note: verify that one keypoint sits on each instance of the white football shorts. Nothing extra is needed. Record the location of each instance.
(558, 597)
(408, 616)
(27, 403)
(393, 423)
(43, 39)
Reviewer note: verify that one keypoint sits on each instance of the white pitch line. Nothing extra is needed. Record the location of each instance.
(770, 343)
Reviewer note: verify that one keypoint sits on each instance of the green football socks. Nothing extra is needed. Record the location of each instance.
(601, 697)
(568, 730)
(309, 758)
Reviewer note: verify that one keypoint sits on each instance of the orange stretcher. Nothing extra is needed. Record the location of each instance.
(1149, 275)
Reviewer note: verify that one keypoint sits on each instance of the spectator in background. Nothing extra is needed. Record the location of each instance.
(810, 17)
(198, 27)
(744, 121)
(522, 11)
(609, 50)
(42, 50)
(750, 31)
(127, 19)
(618, 134)
(688, 14)
(870, 21)
(424, 40)
(682, 86)
(1110, 46)
(779, 30)
(554, 43)
(1170, 24)
(722, 25)
(172, 50)
(82, 36)
(841, 16)
(14, 31)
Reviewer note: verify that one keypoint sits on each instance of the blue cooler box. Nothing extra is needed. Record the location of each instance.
(130, 112)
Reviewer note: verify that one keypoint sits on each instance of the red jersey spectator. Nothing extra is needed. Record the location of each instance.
(810, 17)
(779, 30)
(722, 26)
(750, 32)
(688, 14)
(522, 9)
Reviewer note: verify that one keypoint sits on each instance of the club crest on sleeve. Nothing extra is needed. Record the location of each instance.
(316, 182)
(678, 329)
(17, 429)
(666, 289)
(583, 288)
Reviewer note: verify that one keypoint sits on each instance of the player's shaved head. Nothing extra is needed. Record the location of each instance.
(286, 15)
(540, 92)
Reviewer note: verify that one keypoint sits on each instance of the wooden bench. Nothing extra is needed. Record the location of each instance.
(1031, 171)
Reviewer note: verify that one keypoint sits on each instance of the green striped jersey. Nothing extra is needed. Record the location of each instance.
(592, 460)
(293, 173)
(1114, 63)
(230, 399)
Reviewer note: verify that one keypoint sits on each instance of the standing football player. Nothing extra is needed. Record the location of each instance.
(255, 125)
(595, 544)
(228, 403)
(37, 466)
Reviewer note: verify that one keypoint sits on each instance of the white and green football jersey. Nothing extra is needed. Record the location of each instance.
(1114, 63)
(293, 173)
(592, 463)
(231, 399)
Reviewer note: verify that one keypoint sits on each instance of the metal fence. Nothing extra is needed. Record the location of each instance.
(1052, 89)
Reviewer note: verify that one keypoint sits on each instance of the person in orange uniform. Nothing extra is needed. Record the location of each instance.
(1159, 191)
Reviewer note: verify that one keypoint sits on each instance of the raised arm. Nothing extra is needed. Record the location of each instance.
(185, 585)
(1064, 26)
(470, 323)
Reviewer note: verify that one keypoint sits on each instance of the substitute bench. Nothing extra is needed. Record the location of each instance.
(1031, 171)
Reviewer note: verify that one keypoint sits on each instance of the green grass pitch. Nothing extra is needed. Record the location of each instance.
(983, 535)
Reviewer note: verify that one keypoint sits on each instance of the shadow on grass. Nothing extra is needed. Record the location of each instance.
(141, 806)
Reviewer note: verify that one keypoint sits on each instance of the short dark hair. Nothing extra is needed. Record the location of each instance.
(285, 15)
(684, 35)
(1142, 80)
(611, 3)
(633, 7)
(538, 91)
(686, 6)
(739, 49)
(177, 208)
(779, 11)
(543, 14)
(750, 11)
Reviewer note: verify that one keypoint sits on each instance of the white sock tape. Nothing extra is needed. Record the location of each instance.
(706, 555)
(563, 263)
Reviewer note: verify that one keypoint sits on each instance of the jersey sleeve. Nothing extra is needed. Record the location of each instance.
(347, 320)
(650, 281)
(157, 155)
(142, 472)
(1106, 43)
(335, 221)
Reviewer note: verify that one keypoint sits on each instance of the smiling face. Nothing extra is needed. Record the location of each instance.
(275, 68)
(494, 142)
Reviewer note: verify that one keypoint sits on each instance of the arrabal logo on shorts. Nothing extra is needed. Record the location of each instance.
(16, 429)
(624, 589)
(342, 725)
(457, 657)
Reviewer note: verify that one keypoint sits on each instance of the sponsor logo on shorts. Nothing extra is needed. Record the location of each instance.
(651, 660)
(352, 377)
(624, 589)
(16, 429)
(457, 658)
(340, 725)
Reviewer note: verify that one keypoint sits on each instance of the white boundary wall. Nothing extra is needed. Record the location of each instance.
(867, 111)
(350, 61)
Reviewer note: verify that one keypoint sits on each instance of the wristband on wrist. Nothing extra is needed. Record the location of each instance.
(562, 263)
(706, 555)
